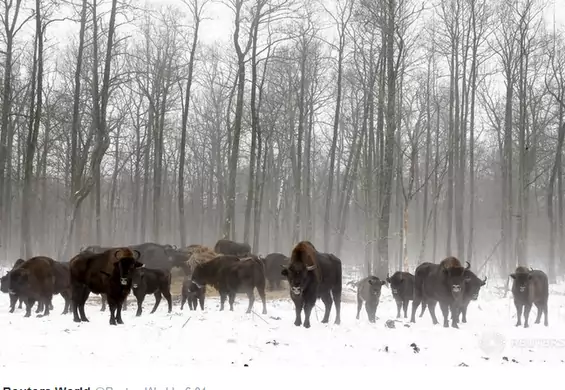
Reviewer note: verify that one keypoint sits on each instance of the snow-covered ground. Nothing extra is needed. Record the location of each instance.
(235, 339)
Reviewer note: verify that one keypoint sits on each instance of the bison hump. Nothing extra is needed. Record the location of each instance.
(450, 262)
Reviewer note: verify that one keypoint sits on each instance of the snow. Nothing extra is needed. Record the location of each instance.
(235, 339)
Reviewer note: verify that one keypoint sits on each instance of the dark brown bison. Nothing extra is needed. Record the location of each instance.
(312, 275)
(107, 273)
(473, 286)
(369, 291)
(34, 281)
(228, 247)
(151, 281)
(5, 287)
(444, 283)
(273, 263)
(402, 287)
(192, 294)
(530, 287)
(231, 275)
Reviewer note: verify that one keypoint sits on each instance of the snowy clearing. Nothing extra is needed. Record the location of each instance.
(235, 339)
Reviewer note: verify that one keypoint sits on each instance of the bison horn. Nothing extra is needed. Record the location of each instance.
(485, 280)
(137, 254)
(531, 269)
(468, 265)
(311, 267)
(119, 254)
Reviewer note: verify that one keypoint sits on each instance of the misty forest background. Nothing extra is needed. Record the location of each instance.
(387, 132)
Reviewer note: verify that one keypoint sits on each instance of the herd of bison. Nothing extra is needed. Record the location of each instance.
(231, 268)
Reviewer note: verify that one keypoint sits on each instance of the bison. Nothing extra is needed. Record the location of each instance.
(151, 281)
(369, 291)
(34, 280)
(443, 283)
(273, 263)
(530, 287)
(228, 247)
(402, 287)
(231, 275)
(312, 275)
(107, 273)
(193, 294)
(472, 288)
(5, 287)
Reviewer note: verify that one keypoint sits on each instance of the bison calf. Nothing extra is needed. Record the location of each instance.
(369, 291)
(402, 287)
(530, 287)
(193, 294)
(151, 281)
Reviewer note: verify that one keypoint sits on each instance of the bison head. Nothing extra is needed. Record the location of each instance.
(396, 282)
(298, 275)
(18, 280)
(375, 285)
(126, 264)
(456, 278)
(521, 282)
(5, 283)
(473, 285)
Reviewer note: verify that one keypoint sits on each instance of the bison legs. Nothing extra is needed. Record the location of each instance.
(119, 308)
(46, 305)
(261, 291)
(542, 309)
(308, 306)
(13, 300)
(183, 301)
(336, 293)
(359, 306)
(79, 295)
(371, 309)
(67, 298)
(445, 311)
(231, 300)
(423, 308)
(103, 300)
(200, 300)
(405, 308)
(298, 304)
(398, 306)
(29, 304)
(140, 299)
(464, 313)
(167, 294)
(519, 307)
(223, 297)
(39, 307)
(21, 303)
(158, 297)
(455, 316)
(327, 299)
(431, 305)
(251, 297)
(527, 309)
(112, 313)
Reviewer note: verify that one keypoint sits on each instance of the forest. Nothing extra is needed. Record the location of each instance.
(387, 132)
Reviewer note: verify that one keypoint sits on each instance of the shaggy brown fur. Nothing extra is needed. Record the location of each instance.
(34, 280)
(107, 273)
(304, 252)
